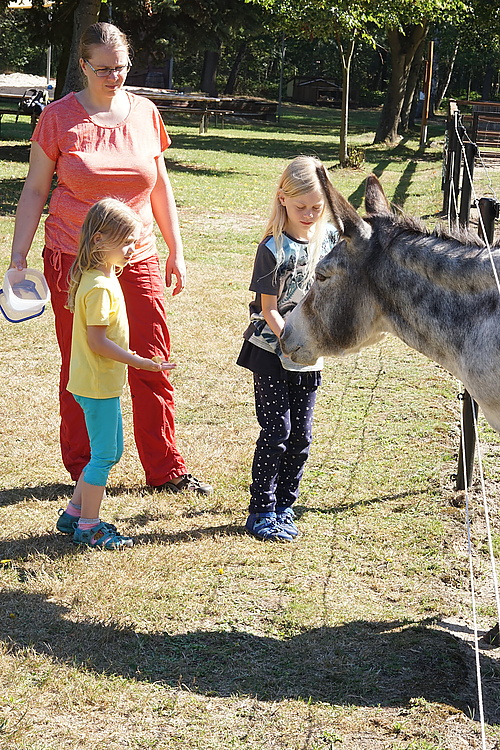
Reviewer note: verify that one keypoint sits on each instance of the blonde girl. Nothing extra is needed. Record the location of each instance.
(99, 358)
(296, 236)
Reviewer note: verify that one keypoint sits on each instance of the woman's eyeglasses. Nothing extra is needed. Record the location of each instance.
(105, 72)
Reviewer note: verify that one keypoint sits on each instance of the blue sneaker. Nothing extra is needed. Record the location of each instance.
(101, 536)
(67, 524)
(264, 526)
(285, 518)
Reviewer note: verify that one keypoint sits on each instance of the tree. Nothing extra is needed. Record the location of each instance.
(207, 26)
(403, 43)
(407, 23)
(348, 22)
(446, 50)
(85, 14)
(479, 57)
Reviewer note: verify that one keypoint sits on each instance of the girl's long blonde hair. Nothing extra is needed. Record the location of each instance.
(302, 175)
(112, 219)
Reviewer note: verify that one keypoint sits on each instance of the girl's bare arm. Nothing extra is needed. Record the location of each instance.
(271, 315)
(100, 344)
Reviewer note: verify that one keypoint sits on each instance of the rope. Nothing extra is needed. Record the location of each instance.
(475, 198)
(486, 515)
(478, 449)
(480, 156)
(453, 195)
(473, 595)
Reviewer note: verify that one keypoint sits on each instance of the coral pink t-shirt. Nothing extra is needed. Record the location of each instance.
(95, 161)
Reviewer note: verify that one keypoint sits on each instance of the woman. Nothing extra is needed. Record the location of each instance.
(104, 141)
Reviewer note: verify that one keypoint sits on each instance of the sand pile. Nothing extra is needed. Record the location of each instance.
(17, 83)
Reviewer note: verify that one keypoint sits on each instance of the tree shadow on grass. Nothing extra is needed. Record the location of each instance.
(275, 148)
(179, 166)
(52, 491)
(18, 152)
(359, 663)
(11, 190)
(348, 504)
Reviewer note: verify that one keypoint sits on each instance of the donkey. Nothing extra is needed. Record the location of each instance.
(388, 274)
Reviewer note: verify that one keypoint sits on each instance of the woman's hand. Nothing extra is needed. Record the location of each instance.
(175, 267)
(18, 261)
(165, 213)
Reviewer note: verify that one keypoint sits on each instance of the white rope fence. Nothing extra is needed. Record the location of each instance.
(454, 197)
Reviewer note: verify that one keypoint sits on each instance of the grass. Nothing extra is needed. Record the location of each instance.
(201, 637)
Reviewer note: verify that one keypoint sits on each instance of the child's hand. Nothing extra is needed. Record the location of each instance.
(156, 364)
(159, 360)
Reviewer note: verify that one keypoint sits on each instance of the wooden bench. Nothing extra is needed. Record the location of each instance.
(203, 113)
(4, 111)
(9, 105)
(205, 107)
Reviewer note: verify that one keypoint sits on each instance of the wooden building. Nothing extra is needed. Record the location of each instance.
(310, 90)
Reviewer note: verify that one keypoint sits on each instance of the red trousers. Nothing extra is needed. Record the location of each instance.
(152, 392)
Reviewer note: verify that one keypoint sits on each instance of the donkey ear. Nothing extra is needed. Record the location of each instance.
(375, 200)
(347, 220)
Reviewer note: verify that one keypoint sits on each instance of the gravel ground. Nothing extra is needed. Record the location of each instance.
(17, 83)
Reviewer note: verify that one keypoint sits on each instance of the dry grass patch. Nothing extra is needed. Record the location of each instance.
(200, 637)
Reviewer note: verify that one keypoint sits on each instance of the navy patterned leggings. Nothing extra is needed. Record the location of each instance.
(285, 414)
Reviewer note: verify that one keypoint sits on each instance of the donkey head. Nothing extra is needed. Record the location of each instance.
(339, 314)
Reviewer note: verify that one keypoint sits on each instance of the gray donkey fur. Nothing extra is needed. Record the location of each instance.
(388, 274)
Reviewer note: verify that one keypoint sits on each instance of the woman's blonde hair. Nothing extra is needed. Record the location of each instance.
(112, 219)
(105, 34)
(303, 174)
(102, 33)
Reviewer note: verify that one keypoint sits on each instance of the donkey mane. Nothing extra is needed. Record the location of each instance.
(457, 261)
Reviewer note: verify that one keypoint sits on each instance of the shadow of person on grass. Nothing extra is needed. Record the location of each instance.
(360, 663)
(55, 545)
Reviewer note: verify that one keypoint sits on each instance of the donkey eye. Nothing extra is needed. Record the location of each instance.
(320, 277)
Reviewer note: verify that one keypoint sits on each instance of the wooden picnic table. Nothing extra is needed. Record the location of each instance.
(171, 102)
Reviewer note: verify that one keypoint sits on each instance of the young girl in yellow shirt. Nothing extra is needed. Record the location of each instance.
(99, 359)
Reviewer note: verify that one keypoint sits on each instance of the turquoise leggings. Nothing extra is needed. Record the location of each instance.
(103, 418)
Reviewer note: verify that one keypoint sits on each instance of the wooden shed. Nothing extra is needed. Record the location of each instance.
(308, 90)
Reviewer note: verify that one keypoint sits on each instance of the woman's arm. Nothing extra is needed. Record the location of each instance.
(31, 202)
(165, 213)
(100, 344)
(271, 315)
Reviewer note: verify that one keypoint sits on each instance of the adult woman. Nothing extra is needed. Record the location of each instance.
(104, 141)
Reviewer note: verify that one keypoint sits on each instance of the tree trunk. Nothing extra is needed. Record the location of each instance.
(379, 80)
(209, 72)
(62, 66)
(411, 86)
(233, 75)
(487, 83)
(86, 13)
(346, 53)
(404, 45)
